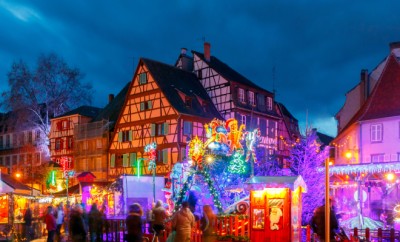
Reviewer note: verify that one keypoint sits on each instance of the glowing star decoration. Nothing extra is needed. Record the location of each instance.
(235, 134)
(252, 140)
(196, 151)
(150, 150)
(237, 165)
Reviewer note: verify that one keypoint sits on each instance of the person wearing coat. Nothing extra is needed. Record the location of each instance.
(134, 224)
(183, 223)
(51, 224)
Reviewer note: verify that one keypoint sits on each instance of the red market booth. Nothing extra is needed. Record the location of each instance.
(275, 207)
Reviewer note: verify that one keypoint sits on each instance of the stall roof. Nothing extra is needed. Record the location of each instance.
(74, 190)
(16, 186)
(261, 182)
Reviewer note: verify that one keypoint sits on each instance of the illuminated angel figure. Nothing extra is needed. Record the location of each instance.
(235, 133)
(252, 140)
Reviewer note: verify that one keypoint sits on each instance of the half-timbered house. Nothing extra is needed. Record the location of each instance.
(165, 105)
(235, 96)
(62, 134)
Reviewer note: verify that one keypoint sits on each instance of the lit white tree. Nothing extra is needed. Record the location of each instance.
(307, 159)
(49, 90)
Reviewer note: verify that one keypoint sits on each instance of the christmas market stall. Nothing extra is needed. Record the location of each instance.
(275, 207)
(15, 198)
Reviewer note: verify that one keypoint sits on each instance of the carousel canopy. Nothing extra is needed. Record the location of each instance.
(261, 182)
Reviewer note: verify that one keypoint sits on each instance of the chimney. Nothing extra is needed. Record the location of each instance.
(207, 54)
(183, 51)
(186, 61)
(363, 86)
(394, 45)
(110, 97)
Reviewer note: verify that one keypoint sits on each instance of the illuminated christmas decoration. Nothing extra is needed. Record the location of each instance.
(235, 133)
(150, 150)
(237, 165)
(252, 140)
(365, 168)
(216, 134)
(196, 151)
(51, 180)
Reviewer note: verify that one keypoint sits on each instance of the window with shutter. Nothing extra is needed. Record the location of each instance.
(130, 135)
(112, 161)
(153, 130)
(59, 125)
(120, 136)
(125, 160)
(165, 156)
(132, 159)
(142, 78)
(187, 128)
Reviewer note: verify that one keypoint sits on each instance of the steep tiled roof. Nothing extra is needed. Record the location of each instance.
(385, 101)
(171, 80)
(111, 111)
(88, 111)
(285, 111)
(227, 72)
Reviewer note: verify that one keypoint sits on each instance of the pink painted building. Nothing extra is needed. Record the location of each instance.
(367, 147)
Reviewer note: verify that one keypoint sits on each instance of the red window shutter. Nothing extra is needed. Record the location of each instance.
(67, 124)
(61, 144)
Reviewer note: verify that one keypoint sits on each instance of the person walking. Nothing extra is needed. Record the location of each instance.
(318, 222)
(183, 223)
(77, 228)
(28, 224)
(134, 224)
(95, 222)
(51, 225)
(159, 214)
(59, 221)
(207, 223)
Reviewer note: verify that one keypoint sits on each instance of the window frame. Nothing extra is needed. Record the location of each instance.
(143, 78)
(269, 103)
(376, 133)
(241, 95)
(252, 100)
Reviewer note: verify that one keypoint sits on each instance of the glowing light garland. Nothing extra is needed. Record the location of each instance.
(364, 168)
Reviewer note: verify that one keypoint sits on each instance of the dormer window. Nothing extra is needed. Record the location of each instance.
(142, 78)
(145, 105)
(241, 95)
(252, 100)
(188, 102)
(269, 103)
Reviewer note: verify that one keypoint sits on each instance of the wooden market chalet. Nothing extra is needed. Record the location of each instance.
(169, 105)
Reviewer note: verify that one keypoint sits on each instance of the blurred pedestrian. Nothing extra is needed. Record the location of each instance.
(77, 228)
(183, 223)
(51, 225)
(318, 222)
(207, 223)
(28, 224)
(159, 216)
(59, 220)
(67, 212)
(134, 224)
(95, 220)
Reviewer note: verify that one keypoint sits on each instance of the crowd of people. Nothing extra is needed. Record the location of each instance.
(81, 226)
(74, 221)
(179, 225)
